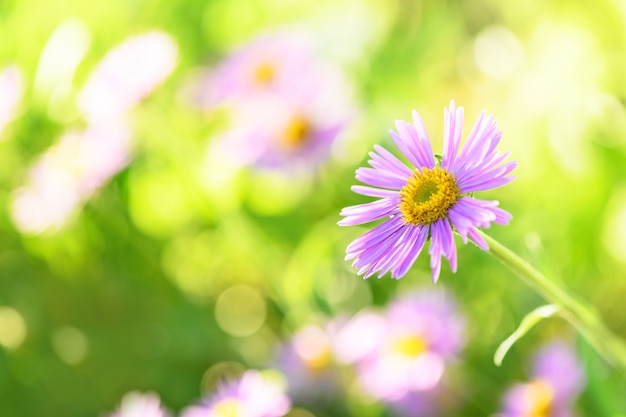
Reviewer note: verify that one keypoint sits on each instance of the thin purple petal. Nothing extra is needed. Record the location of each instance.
(368, 212)
(374, 192)
(380, 178)
(477, 239)
(453, 128)
(385, 158)
(412, 253)
(423, 140)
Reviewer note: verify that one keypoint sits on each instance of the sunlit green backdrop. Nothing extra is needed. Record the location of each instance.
(163, 274)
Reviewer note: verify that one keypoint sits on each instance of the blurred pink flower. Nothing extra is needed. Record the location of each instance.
(127, 74)
(276, 62)
(252, 395)
(136, 404)
(68, 174)
(558, 379)
(11, 90)
(287, 133)
(406, 348)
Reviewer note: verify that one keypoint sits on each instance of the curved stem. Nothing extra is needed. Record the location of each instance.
(577, 311)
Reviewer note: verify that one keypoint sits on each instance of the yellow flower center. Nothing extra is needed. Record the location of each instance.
(319, 361)
(296, 133)
(428, 195)
(264, 73)
(540, 396)
(411, 346)
(228, 407)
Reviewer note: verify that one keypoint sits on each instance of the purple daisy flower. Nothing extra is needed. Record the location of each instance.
(558, 379)
(429, 200)
(255, 394)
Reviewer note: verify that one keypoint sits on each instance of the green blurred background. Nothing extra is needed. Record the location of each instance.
(160, 275)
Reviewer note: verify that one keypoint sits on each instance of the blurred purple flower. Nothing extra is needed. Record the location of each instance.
(288, 105)
(558, 379)
(135, 404)
(255, 394)
(68, 174)
(308, 365)
(11, 90)
(276, 62)
(286, 133)
(127, 74)
(429, 200)
(406, 349)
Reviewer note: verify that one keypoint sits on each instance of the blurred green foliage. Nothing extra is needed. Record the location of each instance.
(125, 296)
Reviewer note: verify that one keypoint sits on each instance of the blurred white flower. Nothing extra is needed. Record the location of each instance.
(68, 173)
(136, 404)
(127, 74)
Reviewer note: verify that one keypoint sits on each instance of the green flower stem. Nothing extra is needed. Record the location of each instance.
(578, 312)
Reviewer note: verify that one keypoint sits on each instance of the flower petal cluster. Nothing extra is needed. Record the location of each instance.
(287, 103)
(136, 404)
(429, 200)
(254, 394)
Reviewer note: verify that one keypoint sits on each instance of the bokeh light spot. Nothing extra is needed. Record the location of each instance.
(498, 53)
(240, 310)
(70, 344)
(220, 373)
(12, 328)
(158, 203)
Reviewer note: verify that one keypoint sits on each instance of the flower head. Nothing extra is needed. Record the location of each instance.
(135, 404)
(275, 62)
(423, 332)
(287, 133)
(429, 200)
(308, 365)
(255, 394)
(557, 380)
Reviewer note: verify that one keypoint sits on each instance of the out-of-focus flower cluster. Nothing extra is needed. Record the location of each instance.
(287, 104)
(405, 356)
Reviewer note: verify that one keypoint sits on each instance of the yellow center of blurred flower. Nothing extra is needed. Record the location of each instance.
(318, 361)
(296, 133)
(228, 407)
(428, 195)
(264, 73)
(411, 346)
(540, 396)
